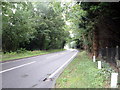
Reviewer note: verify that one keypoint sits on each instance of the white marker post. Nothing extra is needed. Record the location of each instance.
(99, 65)
(94, 59)
(114, 79)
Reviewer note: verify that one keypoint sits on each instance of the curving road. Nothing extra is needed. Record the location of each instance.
(34, 72)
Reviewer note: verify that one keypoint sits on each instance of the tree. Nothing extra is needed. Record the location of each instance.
(33, 26)
(17, 24)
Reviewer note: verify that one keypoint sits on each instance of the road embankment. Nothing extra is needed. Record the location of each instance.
(83, 73)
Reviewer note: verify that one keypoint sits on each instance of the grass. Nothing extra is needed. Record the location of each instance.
(83, 73)
(23, 54)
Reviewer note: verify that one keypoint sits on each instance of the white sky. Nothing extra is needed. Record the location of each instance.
(71, 34)
(68, 23)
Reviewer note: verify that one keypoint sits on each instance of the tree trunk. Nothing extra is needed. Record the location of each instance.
(95, 42)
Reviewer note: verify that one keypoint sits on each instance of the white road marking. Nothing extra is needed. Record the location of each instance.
(17, 67)
(53, 74)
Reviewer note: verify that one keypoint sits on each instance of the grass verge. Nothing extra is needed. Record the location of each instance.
(15, 55)
(83, 73)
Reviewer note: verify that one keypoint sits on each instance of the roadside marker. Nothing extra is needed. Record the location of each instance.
(94, 59)
(114, 79)
(99, 65)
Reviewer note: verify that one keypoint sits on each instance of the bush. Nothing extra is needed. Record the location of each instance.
(21, 50)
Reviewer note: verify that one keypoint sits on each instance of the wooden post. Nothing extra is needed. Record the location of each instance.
(117, 57)
(117, 54)
(118, 63)
(107, 53)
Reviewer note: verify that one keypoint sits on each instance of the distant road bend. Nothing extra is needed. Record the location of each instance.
(35, 72)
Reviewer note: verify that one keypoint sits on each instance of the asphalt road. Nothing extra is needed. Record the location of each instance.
(34, 72)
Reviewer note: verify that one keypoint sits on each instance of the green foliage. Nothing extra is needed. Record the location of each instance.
(21, 50)
(33, 26)
(17, 26)
(81, 26)
(86, 16)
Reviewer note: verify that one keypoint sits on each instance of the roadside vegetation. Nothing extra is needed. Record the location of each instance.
(83, 73)
(31, 29)
(32, 26)
(24, 53)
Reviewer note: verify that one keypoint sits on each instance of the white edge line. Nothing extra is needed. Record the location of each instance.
(17, 67)
(53, 74)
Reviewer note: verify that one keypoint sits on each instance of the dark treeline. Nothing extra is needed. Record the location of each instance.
(105, 28)
(32, 26)
(97, 27)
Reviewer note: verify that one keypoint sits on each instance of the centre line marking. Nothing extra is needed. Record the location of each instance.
(17, 67)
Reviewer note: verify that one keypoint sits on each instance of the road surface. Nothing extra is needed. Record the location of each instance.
(34, 72)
